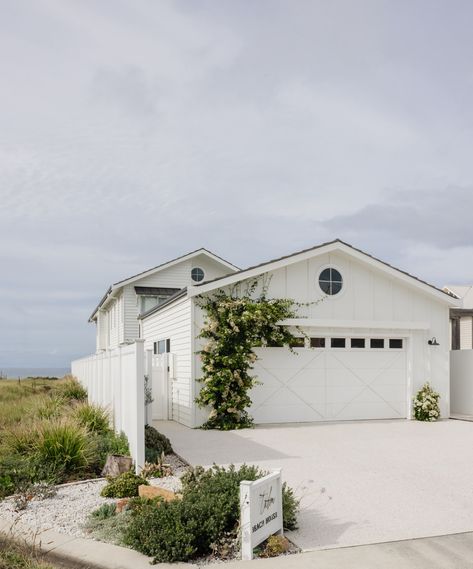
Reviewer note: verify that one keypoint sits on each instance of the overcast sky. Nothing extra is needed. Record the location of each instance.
(134, 131)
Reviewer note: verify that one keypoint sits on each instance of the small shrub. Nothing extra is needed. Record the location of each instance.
(156, 470)
(165, 532)
(290, 507)
(204, 521)
(94, 418)
(426, 404)
(156, 443)
(105, 511)
(123, 486)
(73, 390)
(275, 545)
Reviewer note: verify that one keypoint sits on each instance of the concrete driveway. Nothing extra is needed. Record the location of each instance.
(359, 482)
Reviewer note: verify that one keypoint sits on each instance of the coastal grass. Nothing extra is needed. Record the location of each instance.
(17, 556)
(48, 432)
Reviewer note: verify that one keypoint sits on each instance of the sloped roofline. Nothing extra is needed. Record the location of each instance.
(336, 244)
(119, 284)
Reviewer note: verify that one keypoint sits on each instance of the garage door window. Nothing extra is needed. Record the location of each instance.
(317, 342)
(337, 342)
(377, 343)
(395, 343)
(297, 343)
(357, 343)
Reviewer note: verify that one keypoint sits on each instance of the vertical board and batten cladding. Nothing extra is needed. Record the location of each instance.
(174, 322)
(369, 294)
(178, 276)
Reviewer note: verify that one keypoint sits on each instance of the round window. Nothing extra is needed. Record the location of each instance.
(197, 274)
(330, 281)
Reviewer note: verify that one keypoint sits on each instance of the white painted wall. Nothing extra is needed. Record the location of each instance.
(118, 320)
(461, 377)
(174, 322)
(369, 297)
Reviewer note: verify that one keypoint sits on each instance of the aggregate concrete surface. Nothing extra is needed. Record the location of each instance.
(359, 482)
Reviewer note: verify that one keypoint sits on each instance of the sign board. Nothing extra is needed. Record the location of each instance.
(260, 511)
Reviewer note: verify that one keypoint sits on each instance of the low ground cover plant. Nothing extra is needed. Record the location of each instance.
(207, 514)
(426, 404)
(123, 486)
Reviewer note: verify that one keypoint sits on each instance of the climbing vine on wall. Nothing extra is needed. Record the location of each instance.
(235, 324)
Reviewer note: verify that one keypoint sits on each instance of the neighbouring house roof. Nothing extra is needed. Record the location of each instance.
(463, 292)
(119, 284)
(336, 244)
(167, 302)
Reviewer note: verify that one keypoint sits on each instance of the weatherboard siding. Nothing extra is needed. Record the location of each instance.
(174, 322)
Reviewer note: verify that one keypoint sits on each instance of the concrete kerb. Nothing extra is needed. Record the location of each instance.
(80, 553)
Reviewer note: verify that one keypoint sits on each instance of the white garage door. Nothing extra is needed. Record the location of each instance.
(330, 383)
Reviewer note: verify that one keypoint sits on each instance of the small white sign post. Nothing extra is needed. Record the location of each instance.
(260, 511)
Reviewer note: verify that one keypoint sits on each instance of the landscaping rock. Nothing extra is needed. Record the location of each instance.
(151, 492)
(122, 504)
(117, 464)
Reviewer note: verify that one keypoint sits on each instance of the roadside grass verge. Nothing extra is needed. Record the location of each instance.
(16, 556)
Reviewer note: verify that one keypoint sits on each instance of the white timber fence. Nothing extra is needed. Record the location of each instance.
(461, 382)
(115, 379)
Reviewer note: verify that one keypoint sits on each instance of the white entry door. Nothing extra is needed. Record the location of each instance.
(329, 384)
(160, 387)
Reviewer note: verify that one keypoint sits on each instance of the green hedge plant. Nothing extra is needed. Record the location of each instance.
(208, 512)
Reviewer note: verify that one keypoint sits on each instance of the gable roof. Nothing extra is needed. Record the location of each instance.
(336, 244)
(463, 292)
(120, 284)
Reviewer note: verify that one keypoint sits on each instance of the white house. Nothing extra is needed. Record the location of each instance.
(376, 337)
(116, 316)
(461, 318)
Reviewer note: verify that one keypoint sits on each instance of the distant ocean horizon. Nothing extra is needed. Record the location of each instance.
(23, 372)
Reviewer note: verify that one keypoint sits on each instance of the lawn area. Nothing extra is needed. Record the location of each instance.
(50, 434)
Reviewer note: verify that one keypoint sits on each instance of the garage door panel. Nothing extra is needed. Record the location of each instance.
(329, 385)
(364, 358)
(285, 414)
(308, 378)
(367, 410)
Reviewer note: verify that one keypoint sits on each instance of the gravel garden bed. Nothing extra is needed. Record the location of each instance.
(67, 511)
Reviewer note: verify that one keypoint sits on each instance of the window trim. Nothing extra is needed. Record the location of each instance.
(197, 269)
(167, 346)
(340, 271)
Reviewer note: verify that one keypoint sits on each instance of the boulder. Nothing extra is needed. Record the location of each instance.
(151, 492)
(117, 464)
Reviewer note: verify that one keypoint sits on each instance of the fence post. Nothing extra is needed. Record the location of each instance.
(139, 405)
(149, 373)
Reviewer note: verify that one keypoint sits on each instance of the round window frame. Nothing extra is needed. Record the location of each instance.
(337, 268)
(203, 274)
